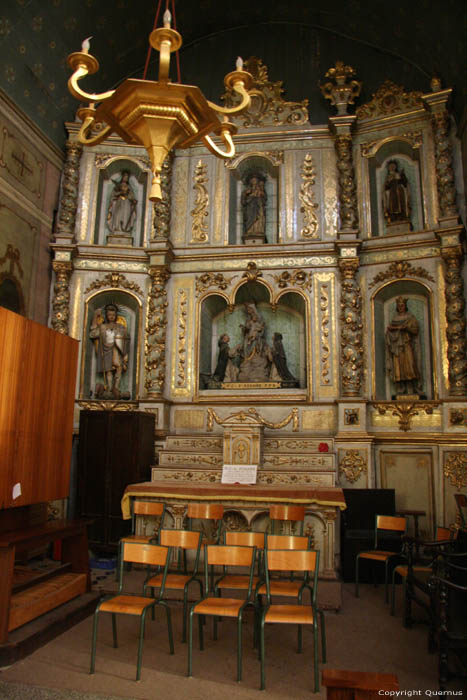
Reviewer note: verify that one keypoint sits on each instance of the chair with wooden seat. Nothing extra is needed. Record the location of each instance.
(443, 534)
(144, 509)
(306, 562)
(228, 556)
(209, 520)
(384, 524)
(241, 581)
(128, 604)
(287, 585)
(184, 541)
(287, 513)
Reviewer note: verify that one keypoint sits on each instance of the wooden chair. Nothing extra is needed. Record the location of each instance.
(290, 513)
(287, 586)
(225, 556)
(185, 541)
(126, 604)
(210, 516)
(383, 524)
(442, 534)
(239, 581)
(300, 614)
(144, 509)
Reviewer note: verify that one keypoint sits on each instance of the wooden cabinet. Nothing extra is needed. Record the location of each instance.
(116, 448)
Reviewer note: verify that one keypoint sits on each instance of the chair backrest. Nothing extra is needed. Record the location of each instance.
(147, 554)
(246, 539)
(205, 511)
(147, 508)
(185, 539)
(288, 542)
(444, 533)
(305, 561)
(228, 555)
(287, 512)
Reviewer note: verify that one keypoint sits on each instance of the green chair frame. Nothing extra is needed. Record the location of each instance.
(211, 604)
(127, 604)
(307, 562)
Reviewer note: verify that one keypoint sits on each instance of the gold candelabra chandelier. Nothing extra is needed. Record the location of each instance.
(159, 115)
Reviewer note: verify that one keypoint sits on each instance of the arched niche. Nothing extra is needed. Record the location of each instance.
(384, 309)
(133, 213)
(287, 317)
(11, 294)
(407, 160)
(128, 315)
(261, 167)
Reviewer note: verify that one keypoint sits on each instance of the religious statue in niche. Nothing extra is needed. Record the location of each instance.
(111, 343)
(121, 214)
(396, 197)
(403, 350)
(253, 202)
(252, 360)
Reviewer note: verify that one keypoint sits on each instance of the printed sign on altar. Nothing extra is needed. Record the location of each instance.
(239, 474)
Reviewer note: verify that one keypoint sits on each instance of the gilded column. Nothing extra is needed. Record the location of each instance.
(348, 207)
(351, 329)
(162, 208)
(436, 103)
(61, 296)
(69, 195)
(156, 325)
(455, 317)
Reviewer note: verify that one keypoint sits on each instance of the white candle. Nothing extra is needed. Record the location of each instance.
(239, 63)
(167, 18)
(86, 44)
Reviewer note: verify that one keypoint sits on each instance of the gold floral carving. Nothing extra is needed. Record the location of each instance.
(347, 185)
(415, 138)
(199, 227)
(306, 196)
(162, 207)
(455, 317)
(211, 279)
(115, 279)
(107, 406)
(340, 90)
(405, 410)
(213, 460)
(252, 273)
(181, 336)
(297, 278)
(102, 160)
(455, 469)
(444, 166)
(288, 444)
(61, 296)
(253, 413)
(155, 337)
(351, 358)
(458, 416)
(324, 326)
(352, 465)
(267, 104)
(70, 186)
(389, 99)
(398, 270)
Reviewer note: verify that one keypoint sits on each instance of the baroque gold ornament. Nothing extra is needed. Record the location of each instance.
(306, 196)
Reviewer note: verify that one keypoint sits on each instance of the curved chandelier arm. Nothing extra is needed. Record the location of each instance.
(227, 139)
(239, 81)
(86, 127)
(84, 64)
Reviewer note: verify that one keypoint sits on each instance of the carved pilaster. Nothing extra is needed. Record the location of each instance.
(351, 329)
(163, 207)
(436, 103)
(155, 339)
(61, 296)
(455, 317)
(69, 193)
(347, 186)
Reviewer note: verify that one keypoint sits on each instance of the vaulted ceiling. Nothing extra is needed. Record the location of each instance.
(298, 40)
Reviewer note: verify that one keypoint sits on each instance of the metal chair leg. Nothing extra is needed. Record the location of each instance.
(323, 635)
(261, 654)
(190, 643)
(315, 656)
(140, 646)
(239, 648)
(114, 630)
(93, 642)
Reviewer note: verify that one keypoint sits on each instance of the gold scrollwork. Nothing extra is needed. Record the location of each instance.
(114, 279)
(211, 279)
(458, 416)
(405, 410)
(296, 278)
(353, 465)
(253, 413)
(324, 324)
(415, 138)
(199, 228)
(61, 296)
(181, 335)
(252, 272)
(306, 196)
(107, 406)
(389, 99)
(398, 270)
(455, 469)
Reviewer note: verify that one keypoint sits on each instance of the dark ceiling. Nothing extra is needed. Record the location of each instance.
(298, 41)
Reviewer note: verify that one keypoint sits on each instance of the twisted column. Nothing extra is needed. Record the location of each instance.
(346, 181)
(162, 208)
(70, 186)
(155, 341)
(444, 171)
(351, 329)
(61, 296)
(455, 317)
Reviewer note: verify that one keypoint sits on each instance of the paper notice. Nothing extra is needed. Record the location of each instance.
(16, 491)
